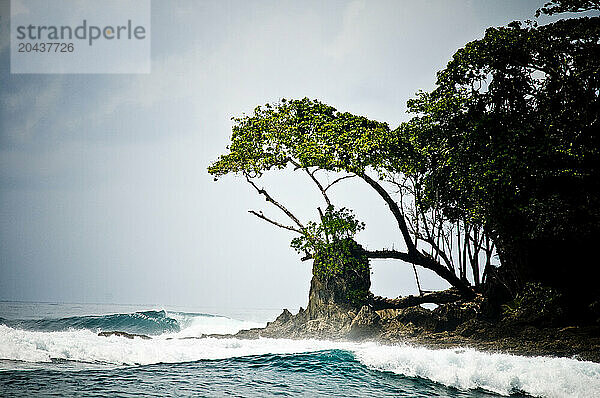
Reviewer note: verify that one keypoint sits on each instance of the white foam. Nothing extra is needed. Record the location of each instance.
(87, 346)
(500, 373)
(193, 325)
(460, 368)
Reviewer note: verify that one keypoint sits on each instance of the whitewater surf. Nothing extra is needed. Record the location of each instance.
(40, 352)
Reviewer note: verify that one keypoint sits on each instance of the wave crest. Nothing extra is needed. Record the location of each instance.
(143, 322)
(505, 374)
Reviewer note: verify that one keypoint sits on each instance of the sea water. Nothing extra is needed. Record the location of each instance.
(54, 349)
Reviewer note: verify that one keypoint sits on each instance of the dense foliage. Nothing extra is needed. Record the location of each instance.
(510, 135)
(331, 243)
(535, 302)
(559, 6)
(303, 133)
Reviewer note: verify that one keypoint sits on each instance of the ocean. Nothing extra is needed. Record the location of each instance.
(49, 349)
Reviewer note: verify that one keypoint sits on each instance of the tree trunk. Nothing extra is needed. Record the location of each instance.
(429, 263)
(413, 256)
(443, 297)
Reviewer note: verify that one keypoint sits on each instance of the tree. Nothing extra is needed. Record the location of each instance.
(315, 138)
(560, 6)
(509, 141)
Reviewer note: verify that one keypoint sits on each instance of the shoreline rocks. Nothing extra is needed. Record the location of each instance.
(333, 314)
(440, 328)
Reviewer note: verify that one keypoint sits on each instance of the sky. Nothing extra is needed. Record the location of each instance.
(104, 193)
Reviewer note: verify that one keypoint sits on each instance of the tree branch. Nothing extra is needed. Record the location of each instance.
(338, 180)
(413, 256)
(318, 184)
(315, 180)
(267, 219)
(394, 209)
(442, 297)
(389, 254)
(425, 262)
(270, 199)
(430, 240)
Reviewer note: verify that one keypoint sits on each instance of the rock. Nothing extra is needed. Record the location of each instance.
(365, 324)
(408, 330)
(453, 314)
(342, 291)
(250, 334)
(333, 302)
(468, 328)
(284, 317)
(124, 334)
(387, 314)
(420, 317)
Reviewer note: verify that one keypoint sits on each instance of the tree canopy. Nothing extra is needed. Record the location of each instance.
(304, 133)
(509, 137)
(560, 6)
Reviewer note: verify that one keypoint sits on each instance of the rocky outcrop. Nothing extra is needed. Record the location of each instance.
(333, 293)
(335, 322)
(450, 325)
(340, 307)
(334, 300)
(365, 324)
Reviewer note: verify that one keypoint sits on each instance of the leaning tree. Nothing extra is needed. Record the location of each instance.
(317, 140)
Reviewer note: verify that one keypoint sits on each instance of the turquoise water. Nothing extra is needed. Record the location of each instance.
(141, 322)
(329, 373)
(54, 350)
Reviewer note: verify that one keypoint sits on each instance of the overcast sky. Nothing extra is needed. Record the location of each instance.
(104, 194)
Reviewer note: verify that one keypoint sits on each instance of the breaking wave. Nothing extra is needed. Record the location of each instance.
(144, 322)
(177, 338)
